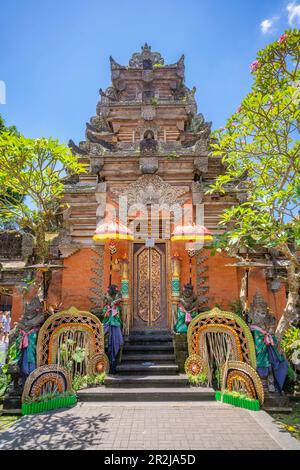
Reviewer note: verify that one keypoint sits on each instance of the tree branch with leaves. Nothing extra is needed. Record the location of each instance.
(31, 183)
(260, 150)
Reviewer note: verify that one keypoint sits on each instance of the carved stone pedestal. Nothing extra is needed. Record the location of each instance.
(12, 405)
(181, 350)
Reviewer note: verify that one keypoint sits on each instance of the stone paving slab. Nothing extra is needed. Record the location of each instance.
(150, 426)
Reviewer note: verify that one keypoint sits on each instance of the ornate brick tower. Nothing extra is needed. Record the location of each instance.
(147, 148)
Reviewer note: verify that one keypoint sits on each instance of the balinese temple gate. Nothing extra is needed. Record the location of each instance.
(149, 168)
(135, 260)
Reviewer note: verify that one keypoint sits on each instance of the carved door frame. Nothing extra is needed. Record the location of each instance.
(167, 265)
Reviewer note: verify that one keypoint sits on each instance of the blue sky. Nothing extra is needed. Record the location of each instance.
(54, 54)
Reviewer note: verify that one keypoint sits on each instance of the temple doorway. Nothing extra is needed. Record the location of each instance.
(149, 287)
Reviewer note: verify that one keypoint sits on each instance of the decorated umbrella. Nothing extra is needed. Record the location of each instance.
(112, 231)
(192, 233)
(247, 264)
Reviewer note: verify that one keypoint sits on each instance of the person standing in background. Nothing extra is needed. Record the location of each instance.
(7, 322)
(2, 324)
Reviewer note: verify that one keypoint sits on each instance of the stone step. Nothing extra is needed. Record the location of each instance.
(160, 357)
(151, 339)
(150, 333)
(146, 381)
(147, 348)
(146, 394)
(151, 368)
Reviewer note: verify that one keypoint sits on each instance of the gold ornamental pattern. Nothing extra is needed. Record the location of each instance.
(155, 286)
(143, 285)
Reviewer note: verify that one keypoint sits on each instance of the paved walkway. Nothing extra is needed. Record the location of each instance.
(150, 426)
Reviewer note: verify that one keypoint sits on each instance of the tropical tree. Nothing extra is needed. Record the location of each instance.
(7, 224)
(260, 148)
(4, 128)
(31, 183)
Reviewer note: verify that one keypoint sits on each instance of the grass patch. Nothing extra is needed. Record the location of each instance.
(290, 422)
(7, 421)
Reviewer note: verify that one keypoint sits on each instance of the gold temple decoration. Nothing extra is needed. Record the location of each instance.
(191, 233)
(111, 232)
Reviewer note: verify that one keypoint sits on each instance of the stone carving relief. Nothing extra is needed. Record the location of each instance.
(101, 200)
(148, 113)
(201, 164)
(148, 127)
(151, 189)
(147, 76)
(100, 124)
(148, 165)
(197, 193)
(96, 165)
(137, 60)
(191, 107)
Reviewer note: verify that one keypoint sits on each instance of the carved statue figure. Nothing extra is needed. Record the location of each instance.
(22, 343)
(187, 309)
(148, 145)
(26, 339)
(196, 123)
(271, 363)
(113, 323)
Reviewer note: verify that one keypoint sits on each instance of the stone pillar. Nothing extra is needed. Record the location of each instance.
(125, 295)
(175, 287)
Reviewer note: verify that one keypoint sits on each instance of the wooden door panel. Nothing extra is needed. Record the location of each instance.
(150, 309)
(143, 293)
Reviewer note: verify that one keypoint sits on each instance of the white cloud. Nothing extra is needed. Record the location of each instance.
(266, 25)
(293, 14)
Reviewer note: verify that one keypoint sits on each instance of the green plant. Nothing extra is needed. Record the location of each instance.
(290, 422)
(10, 357)
(69, 354)
(236, 307)
(197, 380)
(291, 378)
(217, 375)
(4, 383)
(85, 381)
(79, 382)
(156, 66)
(259, 147)
(79, 354)
(154, 101)
(173, 155)
(32, 186)
(289, 342)
(97, 379)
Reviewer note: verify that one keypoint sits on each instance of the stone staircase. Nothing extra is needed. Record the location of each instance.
(147, 372)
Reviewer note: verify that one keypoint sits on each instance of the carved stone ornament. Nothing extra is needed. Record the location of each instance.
(148, 146)
(148, 113)
(201, 164)
(147, 76)
(151, 189)
(63, 244)
(96, 165)
(148, 165)
(100, 124)
(197, 193)
(138, 58)
(114, 65)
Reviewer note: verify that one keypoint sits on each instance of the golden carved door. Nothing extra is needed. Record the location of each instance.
(150, 306)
